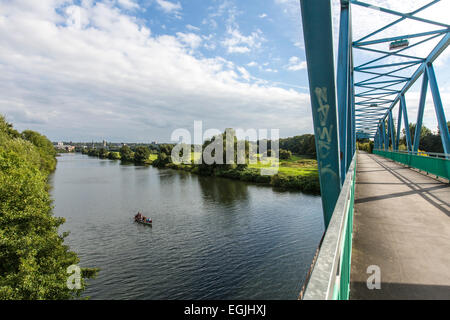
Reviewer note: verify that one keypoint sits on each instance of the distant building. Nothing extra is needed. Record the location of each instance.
(62, 146)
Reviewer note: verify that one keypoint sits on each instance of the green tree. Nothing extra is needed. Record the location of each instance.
(161, 160)
(240, 161)
(304, 144)
(126, 154)
(285, 154)
(424, 131)
(103, 153)
(45, 148)
(114, 155)
(94, 152)
(141, 154)
(33, 256)
(428, 142)
(166, 148)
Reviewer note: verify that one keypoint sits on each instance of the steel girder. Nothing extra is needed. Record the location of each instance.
(359, 102)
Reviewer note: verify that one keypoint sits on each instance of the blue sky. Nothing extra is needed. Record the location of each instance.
(127, 70)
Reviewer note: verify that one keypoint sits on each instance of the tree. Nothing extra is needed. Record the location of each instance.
(103, 153)
(424, 131)
(304, 144)
(94, 152)
(114, 155)
(285, 154)
(240, 158)
(45, 148)
(33, 256)
(161, 160)
(166, 148)
(126, 154)
(141, 154)
(428, 142)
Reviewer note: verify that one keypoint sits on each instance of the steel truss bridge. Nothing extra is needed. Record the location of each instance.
(396, 217)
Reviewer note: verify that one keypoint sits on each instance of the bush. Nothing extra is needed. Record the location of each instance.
(45, 147)
(308, 183)
(162, 160)
(365, 146)
(103, 153)
(285, 154)
(114, 155)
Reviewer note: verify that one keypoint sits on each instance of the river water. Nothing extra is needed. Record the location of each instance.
(212, 238)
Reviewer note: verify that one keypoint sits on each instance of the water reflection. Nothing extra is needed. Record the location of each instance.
(223, 191)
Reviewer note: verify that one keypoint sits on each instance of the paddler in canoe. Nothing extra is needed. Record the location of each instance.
(142, 219)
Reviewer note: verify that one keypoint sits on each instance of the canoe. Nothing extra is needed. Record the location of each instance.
(143, 222)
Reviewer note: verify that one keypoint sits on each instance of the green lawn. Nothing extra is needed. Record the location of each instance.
(297, 165)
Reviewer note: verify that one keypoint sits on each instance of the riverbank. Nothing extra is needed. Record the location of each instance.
(34, 257)
(296, 173)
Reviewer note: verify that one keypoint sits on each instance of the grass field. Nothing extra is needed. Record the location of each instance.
(297, 165)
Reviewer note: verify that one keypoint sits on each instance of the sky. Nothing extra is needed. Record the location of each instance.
(134, 71)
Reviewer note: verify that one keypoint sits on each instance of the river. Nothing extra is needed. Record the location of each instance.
(212, 238)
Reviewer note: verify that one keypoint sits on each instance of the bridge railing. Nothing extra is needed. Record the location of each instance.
(330, 276)
(435, 163)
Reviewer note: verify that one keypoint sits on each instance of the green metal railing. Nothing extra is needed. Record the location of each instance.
(330, 276)
(434, 165)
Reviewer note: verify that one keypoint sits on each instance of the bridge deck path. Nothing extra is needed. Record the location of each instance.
(402, 225)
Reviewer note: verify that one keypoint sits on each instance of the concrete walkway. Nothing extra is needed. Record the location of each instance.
(401, 225)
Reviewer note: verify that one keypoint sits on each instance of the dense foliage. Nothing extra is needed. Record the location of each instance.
(365, 145)
(429, 141)
(126, 154)
(103, 153)
(141, 154)
(33, 256)
(304, 144)
(285, 154)
(114, 155)
(45, 148)
(164, 156)
(239, 160)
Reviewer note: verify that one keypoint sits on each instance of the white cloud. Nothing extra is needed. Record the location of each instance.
(252, 64)
(299, 45)
(110, 77)
(295, 64)
(236, 42)
(192, 28)
(168, 6)
(244, 73)
(128, 4)
(262, 15)
(190, 39)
